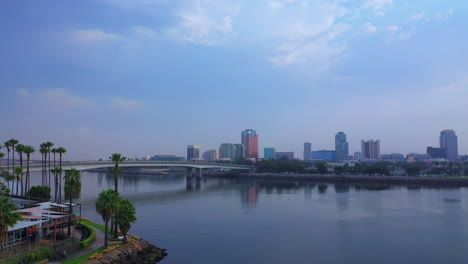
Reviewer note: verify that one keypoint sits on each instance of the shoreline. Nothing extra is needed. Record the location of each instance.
(350, 179)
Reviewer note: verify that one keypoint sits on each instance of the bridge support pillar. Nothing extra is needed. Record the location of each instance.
(200, 174)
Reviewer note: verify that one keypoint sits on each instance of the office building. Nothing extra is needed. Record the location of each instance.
(341, 147)
(269, 153)
(325, 155)
(166, 158)
(449, 142)
(284, 155)
(436, 153)
(227, 151)
(417, 157)
(392, 157)
(307, 151)
(193, 152)
(239, 151)
(357, 156)
(370, 149)
(249, 138)
(211, 155)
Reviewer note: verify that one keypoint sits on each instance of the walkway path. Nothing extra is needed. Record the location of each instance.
(97, 244)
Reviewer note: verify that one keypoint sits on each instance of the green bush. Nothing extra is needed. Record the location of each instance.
(43, 253)
(41, 192)
(92, 237)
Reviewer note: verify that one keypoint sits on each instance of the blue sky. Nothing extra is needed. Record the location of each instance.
(148, 77)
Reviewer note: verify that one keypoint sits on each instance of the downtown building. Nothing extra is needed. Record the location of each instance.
(211, 155)
(449, 142)
(341, 147)
(193, 152)
(324, 155)
(249, 138)
(370, 149)
(307, 151)
(269, 153)
(284, 155)
(228, 151)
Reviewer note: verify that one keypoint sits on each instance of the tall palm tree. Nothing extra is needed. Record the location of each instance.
(43, 150)
(125, 216)
(72, 176)
(20, 151)
(19, 172)
(107, 205)
(49, 145)
(8, 145)
(54, 151)
(13, 143)
(61, 151)
(28, 150)
(8, 216)
(57, 171)
(117, 159)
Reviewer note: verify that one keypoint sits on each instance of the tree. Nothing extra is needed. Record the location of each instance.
(28, 150)
(8, 216)
(20, 151)
(54, 151)
(61, 151)
(43, 150)
(322, 167)
(8, 178)
(107, 205)
(19, 172)
(49, 145)
(8, 146)
(72, 176)
(41, 192)
(117, 159)
(13, 143)
(125, 216)
(57, 171)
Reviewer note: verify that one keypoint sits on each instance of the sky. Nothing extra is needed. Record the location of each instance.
(145, 77)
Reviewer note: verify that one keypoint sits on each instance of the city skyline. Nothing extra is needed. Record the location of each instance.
(148, 76)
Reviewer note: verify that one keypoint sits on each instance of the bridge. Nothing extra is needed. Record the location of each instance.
(199, 166)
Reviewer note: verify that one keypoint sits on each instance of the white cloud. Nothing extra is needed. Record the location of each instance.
(91, 37)
(125, 104)
(62, 98)
(378, 6)
(370, 28)
(420, 16)
(392, 28)
(23, 92)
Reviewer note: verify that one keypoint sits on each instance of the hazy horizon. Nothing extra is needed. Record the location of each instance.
(146, 77)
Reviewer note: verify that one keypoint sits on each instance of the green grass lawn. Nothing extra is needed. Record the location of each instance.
(98, 226)
(84, 257)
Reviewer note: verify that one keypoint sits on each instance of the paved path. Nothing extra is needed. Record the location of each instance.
(97, 244)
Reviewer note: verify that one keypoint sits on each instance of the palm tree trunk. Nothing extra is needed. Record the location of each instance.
(106, 234)
(60, 183)
(13, 148)
(71, 206)
(49, 168)
(125, 237)
(116, 186)
(21, 164)
(27, 175)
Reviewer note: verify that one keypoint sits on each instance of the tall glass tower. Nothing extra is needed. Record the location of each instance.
(249, 138)
(449, 142)
(341, 146)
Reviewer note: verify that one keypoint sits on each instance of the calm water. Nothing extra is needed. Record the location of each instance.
(223, 221)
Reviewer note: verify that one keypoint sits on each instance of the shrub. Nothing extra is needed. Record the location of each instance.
(92, 237)
(41, 192)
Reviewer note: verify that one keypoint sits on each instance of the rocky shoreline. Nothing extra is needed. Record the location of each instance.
(350, 179)
(135, 252)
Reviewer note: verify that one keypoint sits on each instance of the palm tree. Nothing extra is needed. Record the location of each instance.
(28, 150)
(20, 150)
(125, 216)
(54, 151)
(61, 151)
(43, 150)
(19, 172)
(117, 159)
(8, 216)
(8, 145)
(71, 176)
(57, 171)
(13, 143)
(107, 205)
(49, 145)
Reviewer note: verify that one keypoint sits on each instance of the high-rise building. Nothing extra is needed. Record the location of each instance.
(449, 142)
(341, 147)
(239, 151)
(357, 156)
(211, 155)
(284, 155)
(436, 153)
(370, 149)
(166, 158)
(269, 153)
(249, 138)
(193, 152)
(307, 151)
(227, 151)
